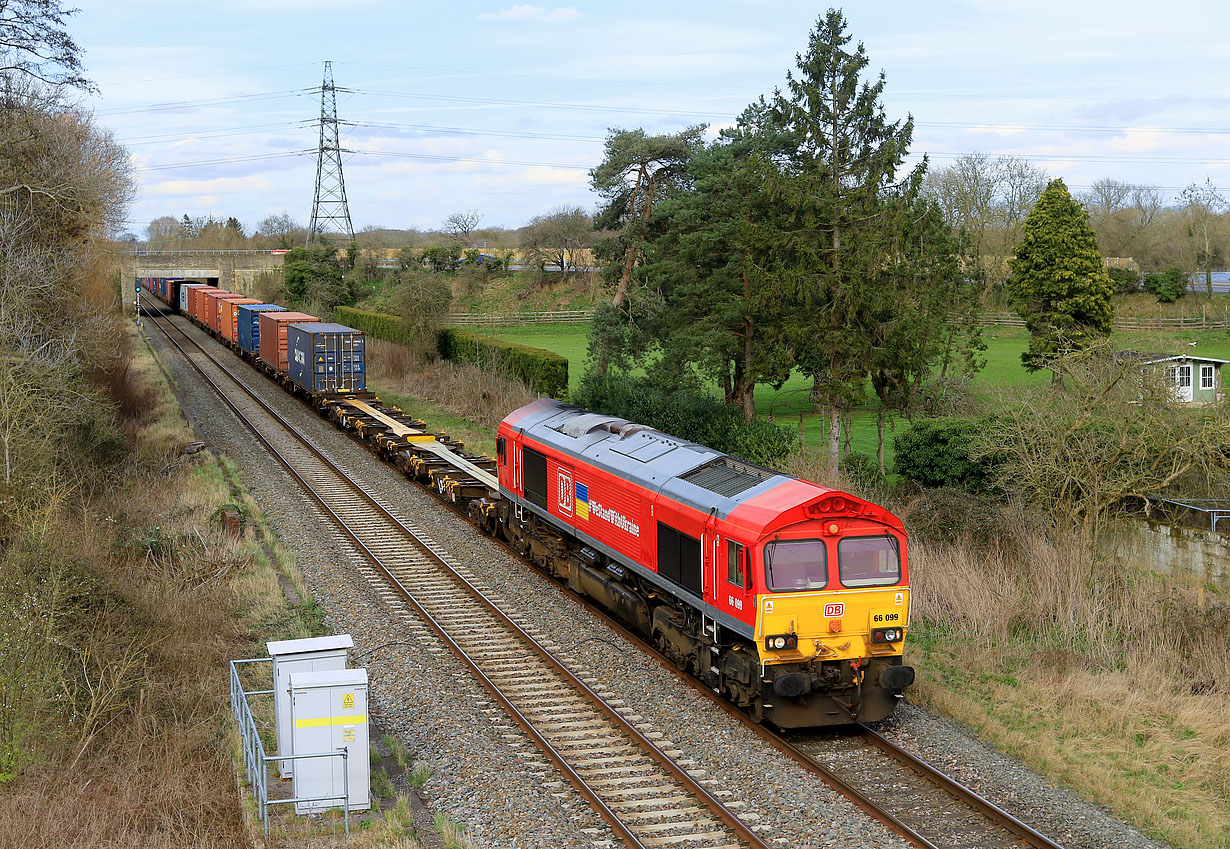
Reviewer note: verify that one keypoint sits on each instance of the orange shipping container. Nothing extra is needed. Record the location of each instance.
(195, 297)
(273, 336)
(215, 315)
(207, 305)
(230, 317)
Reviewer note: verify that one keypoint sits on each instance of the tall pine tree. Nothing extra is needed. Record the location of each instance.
(844, 185)
(1059, 283)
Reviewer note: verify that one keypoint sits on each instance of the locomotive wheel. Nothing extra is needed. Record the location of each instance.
(756, 710)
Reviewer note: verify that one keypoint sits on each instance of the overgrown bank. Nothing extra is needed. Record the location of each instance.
(126, 596)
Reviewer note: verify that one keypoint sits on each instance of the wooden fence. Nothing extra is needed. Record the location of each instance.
(475, 319)
(1201, 322)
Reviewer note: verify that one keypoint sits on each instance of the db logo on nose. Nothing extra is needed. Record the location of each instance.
(834, 610)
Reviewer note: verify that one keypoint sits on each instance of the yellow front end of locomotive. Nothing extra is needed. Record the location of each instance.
(831, 625)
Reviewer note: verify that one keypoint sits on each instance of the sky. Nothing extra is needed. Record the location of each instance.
(502, 107)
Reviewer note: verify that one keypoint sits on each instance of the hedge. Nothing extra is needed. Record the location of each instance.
(378, 325)
(544, 371)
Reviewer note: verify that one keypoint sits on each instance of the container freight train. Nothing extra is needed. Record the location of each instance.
(789, 598)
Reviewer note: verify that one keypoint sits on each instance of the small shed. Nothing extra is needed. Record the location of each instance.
(1196, 379)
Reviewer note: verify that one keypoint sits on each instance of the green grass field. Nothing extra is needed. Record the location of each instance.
(790, 404)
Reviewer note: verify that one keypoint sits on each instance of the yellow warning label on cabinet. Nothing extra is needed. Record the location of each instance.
(348, 701)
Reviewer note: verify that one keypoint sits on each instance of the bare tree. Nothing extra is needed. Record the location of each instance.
(989, 200)
(1109, 430)
(280, 230)
(461, 225)
(558, 237)
(35, 44)
(1106, 196)
(1203, 205)
(164, 232)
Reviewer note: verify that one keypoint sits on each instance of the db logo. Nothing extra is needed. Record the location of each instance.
(563, 492)
(831, 611)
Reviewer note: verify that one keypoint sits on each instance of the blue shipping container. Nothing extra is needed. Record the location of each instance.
(326, 357)
(249, 329)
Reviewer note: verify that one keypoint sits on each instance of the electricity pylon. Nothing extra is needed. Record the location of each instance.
(330, 213)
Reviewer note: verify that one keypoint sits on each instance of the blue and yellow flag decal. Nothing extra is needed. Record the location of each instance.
(582, 505)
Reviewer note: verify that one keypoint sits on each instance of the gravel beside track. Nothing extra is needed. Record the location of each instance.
(1003, 780)
(486, 775)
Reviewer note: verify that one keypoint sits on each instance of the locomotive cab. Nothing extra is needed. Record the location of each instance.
(832, 610)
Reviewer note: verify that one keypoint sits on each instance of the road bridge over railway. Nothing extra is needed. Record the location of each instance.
(232, 270)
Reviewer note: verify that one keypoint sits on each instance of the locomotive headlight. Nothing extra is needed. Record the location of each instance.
(886, 635)
(781, 642)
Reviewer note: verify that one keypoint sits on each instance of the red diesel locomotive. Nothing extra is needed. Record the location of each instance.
(790, 598)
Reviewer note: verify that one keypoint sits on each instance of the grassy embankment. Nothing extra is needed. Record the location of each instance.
(1108, 680)
(129, 597)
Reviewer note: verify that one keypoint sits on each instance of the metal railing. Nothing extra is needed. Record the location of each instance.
(257, 762)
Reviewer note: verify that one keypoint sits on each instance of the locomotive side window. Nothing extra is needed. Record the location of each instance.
(535, 466)
(679, 558)
(797, 564)
(734, 568)
(869, 561)
(501, 452)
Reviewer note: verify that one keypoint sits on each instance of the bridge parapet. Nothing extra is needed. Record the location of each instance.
(233, 270)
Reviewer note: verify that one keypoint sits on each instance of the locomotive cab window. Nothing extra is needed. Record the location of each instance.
(501, 451)
(869, 561)
(796, 564)
(734, 563)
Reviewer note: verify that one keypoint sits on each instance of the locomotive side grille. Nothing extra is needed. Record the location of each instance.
(727, 476)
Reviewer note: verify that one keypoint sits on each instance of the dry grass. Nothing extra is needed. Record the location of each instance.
(479, 395)
(150, 598)
(1112, 682)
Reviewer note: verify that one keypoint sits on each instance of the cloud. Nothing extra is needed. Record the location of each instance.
(253, 183)
(526, 12)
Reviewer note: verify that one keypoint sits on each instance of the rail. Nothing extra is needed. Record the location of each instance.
(256, 761)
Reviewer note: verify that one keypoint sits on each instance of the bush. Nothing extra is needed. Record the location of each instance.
(376, 324)
(937, 452)
(1168, 286)
(544, 371)
(688, 414)
(1124, 280)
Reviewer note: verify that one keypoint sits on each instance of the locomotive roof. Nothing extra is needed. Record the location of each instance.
(684, 471)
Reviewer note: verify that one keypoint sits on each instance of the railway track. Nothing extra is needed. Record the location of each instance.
(921, 804)
(647, 797)
(925, 806)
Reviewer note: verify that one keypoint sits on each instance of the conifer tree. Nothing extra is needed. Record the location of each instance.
(844, 184)
(1059, 283)
(713, 259)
